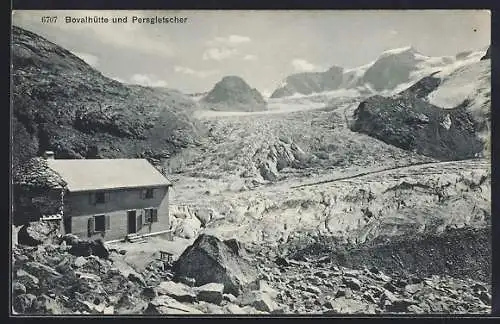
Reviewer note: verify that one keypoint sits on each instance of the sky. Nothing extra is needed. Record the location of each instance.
(262, 47)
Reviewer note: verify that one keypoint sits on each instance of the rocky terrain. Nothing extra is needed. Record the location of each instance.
(62, 104)
(232, 93)
(66, 275)
(310, 82)
(412, 119)
(333, 202)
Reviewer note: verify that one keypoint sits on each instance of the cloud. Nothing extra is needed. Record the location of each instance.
(232, 40)
(302, 65)
(250, 57)
(218, 54)
(147, 81)
(393, 33)
(221, 48)
(133, 37)
(200, 74)
(90, 59)
(228, 41)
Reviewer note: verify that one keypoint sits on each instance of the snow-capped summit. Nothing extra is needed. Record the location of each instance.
(392, 71)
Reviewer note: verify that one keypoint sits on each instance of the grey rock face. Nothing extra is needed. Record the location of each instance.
(413, 124)
(310, 82)
(211, 260)
(232, 93)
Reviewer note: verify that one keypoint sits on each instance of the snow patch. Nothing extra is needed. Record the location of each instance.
(397, 51)
(469, 81)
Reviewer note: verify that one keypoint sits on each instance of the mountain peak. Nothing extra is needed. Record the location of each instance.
(232, 92)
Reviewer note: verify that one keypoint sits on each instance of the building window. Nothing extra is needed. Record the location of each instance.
(100, 223)
(151, 215)
(100, 197)
(148, 193)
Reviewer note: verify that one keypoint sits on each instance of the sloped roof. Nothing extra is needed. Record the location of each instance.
(99, 174)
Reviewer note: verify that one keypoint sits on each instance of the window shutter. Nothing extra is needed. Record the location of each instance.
(142, 193)
(154, 216)
(91, 198)
(139, 220)
(91, 226)
(107, 196)
(107, 220)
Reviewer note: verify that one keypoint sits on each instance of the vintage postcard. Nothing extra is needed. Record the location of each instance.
(251, 162)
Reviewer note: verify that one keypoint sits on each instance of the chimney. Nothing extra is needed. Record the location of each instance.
(48, 155)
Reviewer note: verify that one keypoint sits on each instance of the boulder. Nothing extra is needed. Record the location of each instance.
(149, 292)
(235, 309)
(313, 290)
(167, 305)
(282, 262)
(137, 278)
(259, 300)
(264, 287)
(84, 276)
(352, 283)
(485, 297)
(415, 309)
(40, 270)
(191, 282)
(322, 274)
(126, 270)
(349, 306)
(400, 305)
(209, 260)
(36, 233)
(80, 261)
(178, 291)
(229, 297)
(188, 228)
(211, 292)
(413, 288)
(29, 281)
(86, 248)
(209, 308)
(18, 288)
(47, 305)
(23, 303)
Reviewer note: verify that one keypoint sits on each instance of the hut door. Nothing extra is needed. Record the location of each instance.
(132, 223)
(67, 225)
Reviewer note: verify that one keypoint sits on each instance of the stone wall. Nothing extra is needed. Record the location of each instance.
(30, 204)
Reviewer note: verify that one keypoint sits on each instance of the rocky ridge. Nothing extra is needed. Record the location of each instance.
(409, 119)
(232, 93)
(62, 104)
